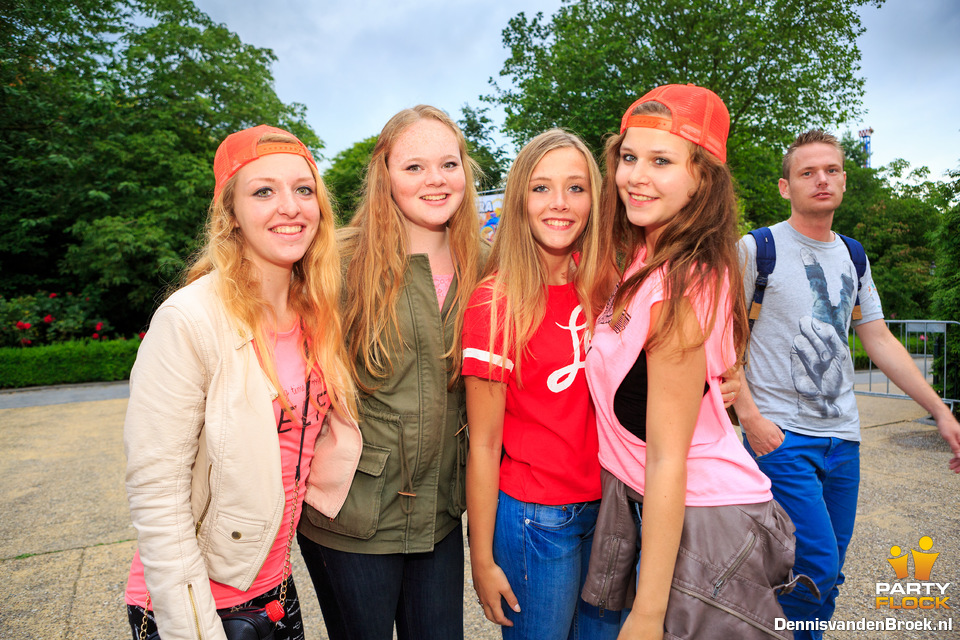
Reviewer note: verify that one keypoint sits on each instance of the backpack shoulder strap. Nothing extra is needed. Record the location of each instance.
(766, 261)
(859, 257)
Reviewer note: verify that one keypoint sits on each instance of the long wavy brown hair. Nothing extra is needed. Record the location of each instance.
(314, 290)
(697, 248)
(377, 238)
(516, 271)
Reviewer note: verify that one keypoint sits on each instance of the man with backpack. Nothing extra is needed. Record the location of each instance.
(798, 411)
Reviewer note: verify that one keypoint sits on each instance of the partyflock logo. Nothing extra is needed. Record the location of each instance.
(916, 593)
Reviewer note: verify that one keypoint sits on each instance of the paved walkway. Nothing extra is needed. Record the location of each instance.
(66, 538)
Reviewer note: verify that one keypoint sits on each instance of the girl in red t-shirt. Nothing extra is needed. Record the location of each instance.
(527, 398)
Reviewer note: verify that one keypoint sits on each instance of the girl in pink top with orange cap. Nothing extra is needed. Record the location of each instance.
(670, 330)
(240, 382)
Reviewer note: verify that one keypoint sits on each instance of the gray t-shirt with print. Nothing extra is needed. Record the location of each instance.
(800, 370)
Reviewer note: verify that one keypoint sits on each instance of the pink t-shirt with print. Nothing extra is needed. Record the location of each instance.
(291, 370)
(719, 469)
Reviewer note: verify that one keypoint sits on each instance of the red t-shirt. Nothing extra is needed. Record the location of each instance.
(549, 426)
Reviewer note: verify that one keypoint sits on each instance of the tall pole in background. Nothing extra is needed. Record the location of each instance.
(865, 140)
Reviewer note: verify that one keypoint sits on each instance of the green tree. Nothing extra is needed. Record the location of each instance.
(893, 211)
(946, 297)
(478, 129)
(346, 176)
(781, 66)
(112, 111)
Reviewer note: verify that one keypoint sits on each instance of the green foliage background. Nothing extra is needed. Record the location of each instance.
(111, 111)
(110, 114)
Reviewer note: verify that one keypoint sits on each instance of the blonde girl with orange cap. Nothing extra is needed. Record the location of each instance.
(393, 557)
(706, 522)
(240, 383)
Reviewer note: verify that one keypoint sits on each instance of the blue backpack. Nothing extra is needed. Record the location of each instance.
(767, 260)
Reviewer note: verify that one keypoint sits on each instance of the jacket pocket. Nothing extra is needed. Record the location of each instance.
(239, 530)
(458, 486)
(722, 585)
(360, 514)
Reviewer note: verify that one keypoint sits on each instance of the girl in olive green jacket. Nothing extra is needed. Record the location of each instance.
(411, 257)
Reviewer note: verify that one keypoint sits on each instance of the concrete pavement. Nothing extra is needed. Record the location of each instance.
(66, 538)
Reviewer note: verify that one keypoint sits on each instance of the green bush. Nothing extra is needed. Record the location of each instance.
(67, 363)
(46, 318)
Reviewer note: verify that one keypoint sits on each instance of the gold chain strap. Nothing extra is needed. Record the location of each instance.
(143, 625)
(287, 566)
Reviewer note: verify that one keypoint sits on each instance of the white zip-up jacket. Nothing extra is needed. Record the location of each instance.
(203, 460)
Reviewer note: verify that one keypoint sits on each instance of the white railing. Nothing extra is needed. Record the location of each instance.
(927, 341)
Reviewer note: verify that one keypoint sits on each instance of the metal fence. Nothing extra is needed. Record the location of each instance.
(935, 347)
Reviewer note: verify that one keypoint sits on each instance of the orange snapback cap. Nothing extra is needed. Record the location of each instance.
(699, 116)
(243, 147)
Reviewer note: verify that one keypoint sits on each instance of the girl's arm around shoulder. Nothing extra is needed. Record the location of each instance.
(675, 388)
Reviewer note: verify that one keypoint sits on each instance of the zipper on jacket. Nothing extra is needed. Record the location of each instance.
(605, 587)
(736, 564)
(193, 605)
(728, 610)
(206, 507)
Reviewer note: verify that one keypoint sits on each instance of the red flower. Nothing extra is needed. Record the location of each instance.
(48, 318)
(23, 325)
(141, 334)
(53, 295)
(96, 336)
(99, 327)
(25, 341)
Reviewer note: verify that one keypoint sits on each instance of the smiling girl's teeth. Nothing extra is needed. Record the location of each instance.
(440, 197)
(558, 224)
(287, 229)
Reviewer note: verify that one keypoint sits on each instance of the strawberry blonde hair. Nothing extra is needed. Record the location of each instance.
(377, 239)
(314, 290)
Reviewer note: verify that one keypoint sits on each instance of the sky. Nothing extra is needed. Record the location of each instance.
(354, 64)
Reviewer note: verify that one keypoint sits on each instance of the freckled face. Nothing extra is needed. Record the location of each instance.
(654, 178)
(426, 175)
(558, 201)
(276, 208)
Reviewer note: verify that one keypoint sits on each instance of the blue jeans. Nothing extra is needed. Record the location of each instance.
(544, 550)
(816, 481)
(362, 595)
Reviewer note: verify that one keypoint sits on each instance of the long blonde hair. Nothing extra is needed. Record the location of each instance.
(314, 290)
(378, 239)
(698, 246)
(516, 271)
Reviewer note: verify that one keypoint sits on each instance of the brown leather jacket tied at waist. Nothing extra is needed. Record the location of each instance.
(732, 563)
